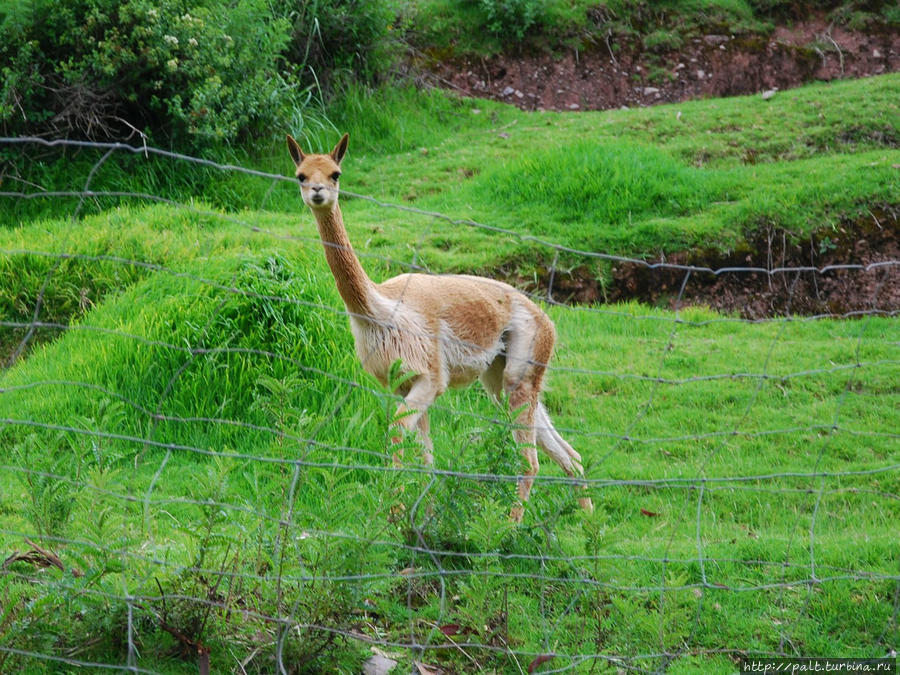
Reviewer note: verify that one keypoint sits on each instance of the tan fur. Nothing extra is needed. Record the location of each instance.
(448, 330)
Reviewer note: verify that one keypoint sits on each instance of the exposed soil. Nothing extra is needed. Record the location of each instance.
(712, 66)
(853, 269)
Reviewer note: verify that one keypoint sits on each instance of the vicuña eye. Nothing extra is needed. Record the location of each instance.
(335, 175)
(301, 177)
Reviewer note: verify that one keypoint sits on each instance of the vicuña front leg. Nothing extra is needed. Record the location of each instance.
(413, 414)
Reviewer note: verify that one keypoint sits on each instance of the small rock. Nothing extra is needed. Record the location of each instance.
(649, 91)
(876, 54)
(507, 91)
(476, 111)
(519, 94)
(714, 40)
(701, 74)
(768, 93)
(574, 106)
(378, 665)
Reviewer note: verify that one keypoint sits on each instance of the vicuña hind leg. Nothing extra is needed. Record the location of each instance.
(526, 354)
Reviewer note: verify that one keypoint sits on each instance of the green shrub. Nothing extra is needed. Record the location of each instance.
(511, 17)
(344, 37)
(184, 71)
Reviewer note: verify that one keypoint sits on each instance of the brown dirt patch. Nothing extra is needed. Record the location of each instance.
(854, 268)
(706, 66)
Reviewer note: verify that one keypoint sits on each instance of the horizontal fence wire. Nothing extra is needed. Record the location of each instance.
(267, 534)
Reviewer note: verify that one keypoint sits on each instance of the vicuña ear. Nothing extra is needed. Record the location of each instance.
(340, 149)
(294, 149)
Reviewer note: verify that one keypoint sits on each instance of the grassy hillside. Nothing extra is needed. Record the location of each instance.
(632, 182)
(188, 434)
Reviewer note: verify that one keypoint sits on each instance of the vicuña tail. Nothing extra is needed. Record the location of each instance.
(555, 445)
(560, 451)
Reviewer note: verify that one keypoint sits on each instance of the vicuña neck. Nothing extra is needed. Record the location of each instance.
(352, 281)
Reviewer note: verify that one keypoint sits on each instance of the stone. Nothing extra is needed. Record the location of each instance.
(378, 665)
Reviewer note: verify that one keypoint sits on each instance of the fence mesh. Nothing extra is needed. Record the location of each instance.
(196, 471)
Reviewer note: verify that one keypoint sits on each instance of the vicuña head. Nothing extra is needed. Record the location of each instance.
(318, 174)
(446, 331)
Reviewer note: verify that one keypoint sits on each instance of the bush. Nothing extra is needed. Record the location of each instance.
(344, 37)
(185, 71)
(511, 17)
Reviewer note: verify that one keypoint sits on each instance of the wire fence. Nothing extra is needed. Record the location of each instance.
(196, 473)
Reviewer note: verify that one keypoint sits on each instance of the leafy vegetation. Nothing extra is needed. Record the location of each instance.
(188, 75)
(486, 27)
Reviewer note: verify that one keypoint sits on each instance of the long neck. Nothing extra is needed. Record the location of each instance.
(352, 281)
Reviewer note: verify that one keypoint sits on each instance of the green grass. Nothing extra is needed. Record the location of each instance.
(159, 444)
(203, 441)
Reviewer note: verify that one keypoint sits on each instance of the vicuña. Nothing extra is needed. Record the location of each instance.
(445, 330)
